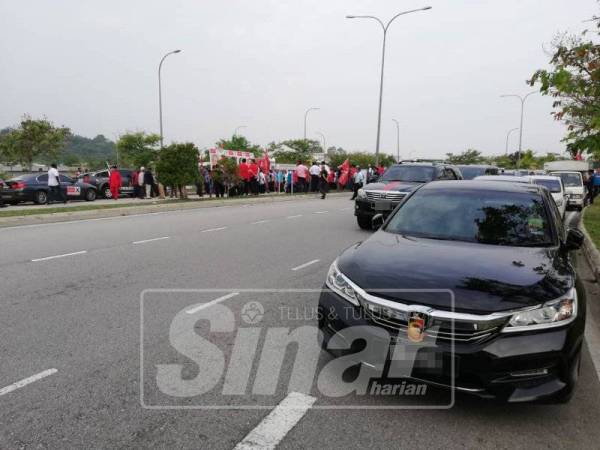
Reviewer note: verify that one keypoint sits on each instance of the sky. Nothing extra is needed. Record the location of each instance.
(92, 66)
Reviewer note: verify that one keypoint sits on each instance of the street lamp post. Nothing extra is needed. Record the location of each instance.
(507, 137)
(324, 141)
(235, 133)
(160, 95)
(397, 139)
(384, 28)
(306, 117)
(522, 99)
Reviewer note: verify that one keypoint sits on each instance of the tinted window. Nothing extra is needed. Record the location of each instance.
(551, 185)
(487, 217)
(421, 174)
(469, 173)
(65, 179)
(43, 178)
(570, 179)
(102, 174)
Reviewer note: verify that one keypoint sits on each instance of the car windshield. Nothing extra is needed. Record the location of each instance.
(417, 174)
(551, 185)
(483, 216)
(470, 172)
(570, 179)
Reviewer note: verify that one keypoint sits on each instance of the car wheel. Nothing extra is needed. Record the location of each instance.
(106, 192)
(90, 195)
(364, 222)
(40, 197)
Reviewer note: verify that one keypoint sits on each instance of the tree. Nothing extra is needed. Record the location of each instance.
(240, 143)
(93, 152)
(470, 156)
(362, 159)
(178, 165)
(293, 150)
(138, 149)
(574, 83)
(32, 139)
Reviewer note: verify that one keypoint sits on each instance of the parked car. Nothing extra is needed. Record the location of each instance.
(504, 178)
(556, 188)
(100, 180)
(396, 183)
(573, 184)
(516, 325)
(34, 188)
(471, 171)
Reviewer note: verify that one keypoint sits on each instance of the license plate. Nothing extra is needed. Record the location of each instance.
(73, 190)
(382, 206)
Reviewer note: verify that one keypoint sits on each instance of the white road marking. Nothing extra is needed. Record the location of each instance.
(302, 266)
(320, 212)
(260, 221)
(213, 302)
(59, 256)
(26, 381)
(150, 240)
(592, 336)
(278, 423)
(293, 217)
(214, 229)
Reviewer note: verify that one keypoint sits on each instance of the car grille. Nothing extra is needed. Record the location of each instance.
(393, 196)
(446, 329)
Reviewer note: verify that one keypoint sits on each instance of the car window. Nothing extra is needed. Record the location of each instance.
(551, 185)
(570, 179)
(43, 178)
(483, 216)
(449, 174)
(102, 174)
(65, 179)
(419, 174)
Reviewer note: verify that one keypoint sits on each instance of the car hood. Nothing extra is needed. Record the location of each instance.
(483, 278)
(401, 186)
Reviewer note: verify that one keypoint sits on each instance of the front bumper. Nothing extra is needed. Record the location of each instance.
(368, 208)
(515, 367)
(575, 202)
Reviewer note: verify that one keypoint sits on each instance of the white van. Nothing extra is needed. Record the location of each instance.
(573, 184)
(555, 186)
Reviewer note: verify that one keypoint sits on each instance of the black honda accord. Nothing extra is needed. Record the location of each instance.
(479, 271)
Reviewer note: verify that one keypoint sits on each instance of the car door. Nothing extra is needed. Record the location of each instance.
(69, 187)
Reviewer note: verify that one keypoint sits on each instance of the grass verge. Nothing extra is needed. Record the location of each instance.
(591, 220)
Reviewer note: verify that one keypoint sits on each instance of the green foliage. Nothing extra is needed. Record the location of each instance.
(290, 151)
(178, 164)
(92, 153)
(469, 156)
(229, 172)
(138, 149)
(363, 159)
(574, 83)
(238, 142)
(32, 139)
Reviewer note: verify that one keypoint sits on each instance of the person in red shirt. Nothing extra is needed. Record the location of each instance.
(252, 176)
(244, 175)
(135, 176)
(114, 182)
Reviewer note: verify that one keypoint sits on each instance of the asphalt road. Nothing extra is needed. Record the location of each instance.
(71, 319)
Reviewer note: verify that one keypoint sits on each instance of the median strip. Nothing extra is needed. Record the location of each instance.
(278, 423)
(26, 381)
(59, 256)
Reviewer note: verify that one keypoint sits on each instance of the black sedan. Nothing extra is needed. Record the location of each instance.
(34, 188)
(481, 272)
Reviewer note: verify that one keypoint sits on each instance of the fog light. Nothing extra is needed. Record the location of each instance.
(529, 373)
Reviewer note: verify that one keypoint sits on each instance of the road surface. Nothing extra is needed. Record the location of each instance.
(70, 339)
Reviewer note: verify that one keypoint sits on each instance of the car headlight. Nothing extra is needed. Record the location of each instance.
(338, 283)
(361, 193)
(554, 313)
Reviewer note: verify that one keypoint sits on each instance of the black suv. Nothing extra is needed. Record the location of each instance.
(100, 180)
(396, 182)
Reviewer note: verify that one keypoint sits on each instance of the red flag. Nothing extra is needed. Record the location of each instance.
(578, 156)
(344, 169)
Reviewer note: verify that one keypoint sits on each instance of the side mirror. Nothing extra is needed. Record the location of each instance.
(574, 239)
(377, 221)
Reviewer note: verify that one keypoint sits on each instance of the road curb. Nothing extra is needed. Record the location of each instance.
(590, 251)
(151, 208)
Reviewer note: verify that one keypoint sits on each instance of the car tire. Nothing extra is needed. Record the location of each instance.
(40, 197)
(106, 192)
(90, 195)
(364, 222)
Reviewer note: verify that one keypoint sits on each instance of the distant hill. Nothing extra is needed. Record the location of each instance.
(90, 152)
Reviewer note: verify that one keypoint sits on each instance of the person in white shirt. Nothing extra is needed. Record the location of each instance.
(359, 179)
(54, 190)
(314, 171)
